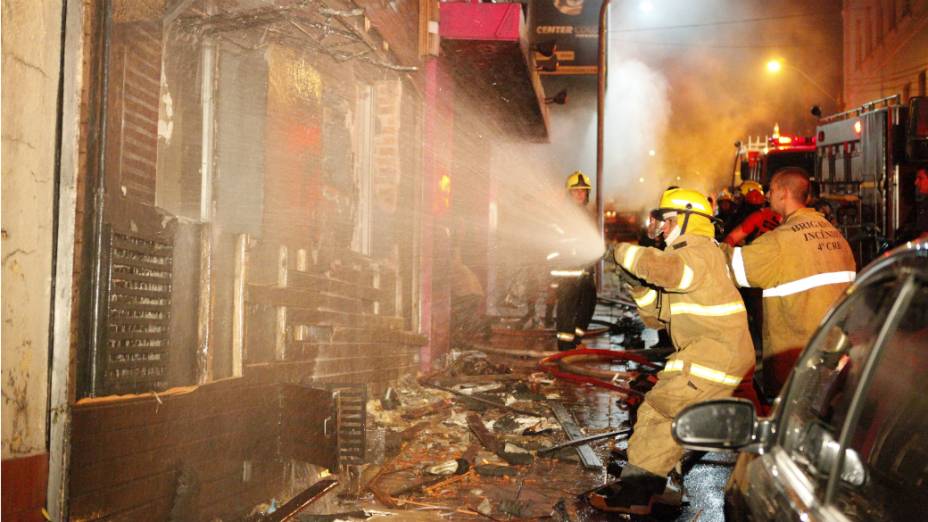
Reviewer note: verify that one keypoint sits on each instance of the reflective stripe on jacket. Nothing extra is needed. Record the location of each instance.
(692, 294)
(804, 266)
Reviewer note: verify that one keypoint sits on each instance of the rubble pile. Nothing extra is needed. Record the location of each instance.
(475, 440)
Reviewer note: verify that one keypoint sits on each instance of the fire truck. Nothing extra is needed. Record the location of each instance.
(865, 164)
(758, 159)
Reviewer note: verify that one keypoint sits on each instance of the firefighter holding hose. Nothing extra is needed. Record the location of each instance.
(687, 288)
(576, 294)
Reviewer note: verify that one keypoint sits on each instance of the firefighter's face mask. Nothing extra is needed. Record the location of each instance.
(663, 224)
(654, 224)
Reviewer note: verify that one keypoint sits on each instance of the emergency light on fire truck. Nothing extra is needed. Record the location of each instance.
(758, 158)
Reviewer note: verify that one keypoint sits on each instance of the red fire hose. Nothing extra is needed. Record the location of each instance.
(550, 365)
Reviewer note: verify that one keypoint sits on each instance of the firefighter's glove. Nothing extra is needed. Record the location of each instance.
(627, 279)
(609, 255)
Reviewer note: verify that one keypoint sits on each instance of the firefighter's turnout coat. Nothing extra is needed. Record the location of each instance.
(692, 294)
(803, 266)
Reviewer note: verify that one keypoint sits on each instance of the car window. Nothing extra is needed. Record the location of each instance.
(823, 382)
(885, 476)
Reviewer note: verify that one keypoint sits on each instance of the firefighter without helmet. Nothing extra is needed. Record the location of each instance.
(579, 181)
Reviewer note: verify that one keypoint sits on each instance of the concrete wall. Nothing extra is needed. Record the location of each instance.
(31, 54)
(885, 46)
(31, 57)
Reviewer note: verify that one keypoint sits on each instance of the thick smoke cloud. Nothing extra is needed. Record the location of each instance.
(687, 80)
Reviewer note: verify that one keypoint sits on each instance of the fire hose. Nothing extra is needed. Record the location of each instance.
(558, 366)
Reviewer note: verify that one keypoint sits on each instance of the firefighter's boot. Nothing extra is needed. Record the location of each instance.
(566, 341)
(633, 493)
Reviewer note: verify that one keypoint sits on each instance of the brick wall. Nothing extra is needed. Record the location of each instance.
(128, 454)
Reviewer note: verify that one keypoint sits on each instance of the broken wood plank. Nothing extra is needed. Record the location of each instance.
(428, 409)
(299, 502)
(493, 444)
(584, 440)
(486, 402)
(566, 419)
(417, 484)
(431, 490)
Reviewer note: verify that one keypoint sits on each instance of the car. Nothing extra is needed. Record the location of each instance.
(847, 439)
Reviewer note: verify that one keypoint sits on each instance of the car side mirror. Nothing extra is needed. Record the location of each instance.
(716, 425)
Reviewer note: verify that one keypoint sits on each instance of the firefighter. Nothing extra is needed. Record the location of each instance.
(687, 288)
(760, 220)
(576, 295)
(725, 212)
(803, 266)
(468, 323)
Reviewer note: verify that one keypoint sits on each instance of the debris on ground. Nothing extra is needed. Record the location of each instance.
(468, 442)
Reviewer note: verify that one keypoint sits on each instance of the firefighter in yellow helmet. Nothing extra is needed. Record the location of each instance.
(747, 186)
(576, 295)
(686, 287)
(578, 184)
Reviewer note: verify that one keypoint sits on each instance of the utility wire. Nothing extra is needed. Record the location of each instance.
(709, 46)
(720, 22)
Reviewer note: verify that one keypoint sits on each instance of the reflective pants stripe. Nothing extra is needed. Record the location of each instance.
(703, 372)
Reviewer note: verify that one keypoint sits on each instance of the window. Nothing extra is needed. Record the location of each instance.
(859, 48)
(364, 168)
(879, 23)
(823, 383)
(869, 32)
(890, 439)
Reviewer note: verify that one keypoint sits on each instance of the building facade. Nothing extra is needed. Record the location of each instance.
(885, 44)
(236, 232)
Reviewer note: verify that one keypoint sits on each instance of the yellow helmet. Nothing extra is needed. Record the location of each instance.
(694, 206)
(578, 180)
(748, 186)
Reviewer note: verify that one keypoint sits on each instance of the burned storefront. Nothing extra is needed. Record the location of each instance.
(248, 256)
(264, 210)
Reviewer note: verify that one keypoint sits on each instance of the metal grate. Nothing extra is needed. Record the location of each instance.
(351, 413)
(138, 314)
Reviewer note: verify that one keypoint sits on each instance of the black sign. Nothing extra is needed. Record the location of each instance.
(570, 25)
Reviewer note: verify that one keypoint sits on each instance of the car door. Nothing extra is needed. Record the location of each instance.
(884, 472)
(790, 482)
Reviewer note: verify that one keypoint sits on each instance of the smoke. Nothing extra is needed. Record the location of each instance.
(637, 114)
(537, 219)
(712, 55)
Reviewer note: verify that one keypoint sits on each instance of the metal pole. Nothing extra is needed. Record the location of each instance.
(600, 119)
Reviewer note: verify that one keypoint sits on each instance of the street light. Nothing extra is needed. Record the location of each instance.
(776, 65)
